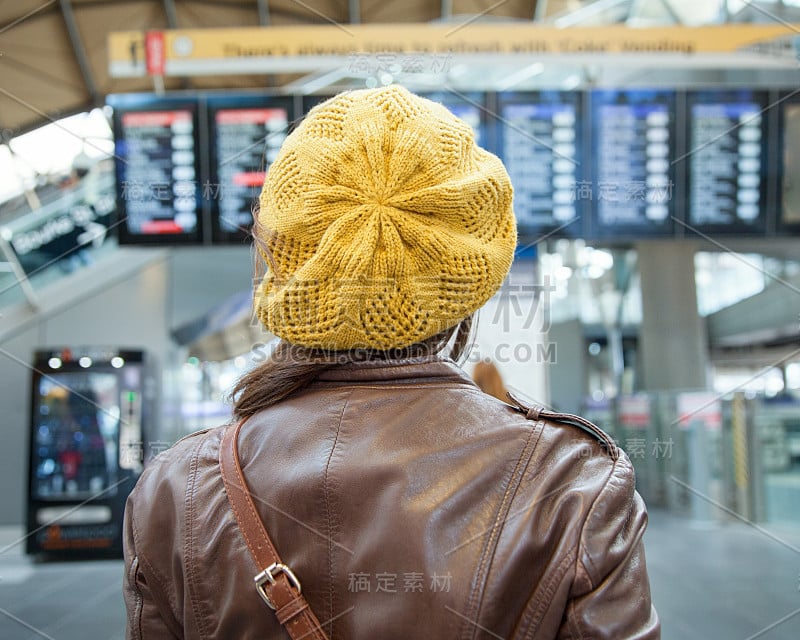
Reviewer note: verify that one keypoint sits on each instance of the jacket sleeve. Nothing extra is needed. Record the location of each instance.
(146, 620)
(610, 597)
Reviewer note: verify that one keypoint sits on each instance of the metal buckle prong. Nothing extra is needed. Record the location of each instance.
(268, 575)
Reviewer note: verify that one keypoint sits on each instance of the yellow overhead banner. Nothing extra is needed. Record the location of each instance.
(260, 49)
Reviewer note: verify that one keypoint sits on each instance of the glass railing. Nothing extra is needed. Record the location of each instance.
(57, 239)
(708, 457)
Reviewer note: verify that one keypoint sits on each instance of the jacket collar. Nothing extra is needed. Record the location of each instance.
(414, 369)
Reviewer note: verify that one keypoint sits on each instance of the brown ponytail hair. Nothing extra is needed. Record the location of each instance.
(290, 368)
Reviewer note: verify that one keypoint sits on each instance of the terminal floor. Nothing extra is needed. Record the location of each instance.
(721, 581)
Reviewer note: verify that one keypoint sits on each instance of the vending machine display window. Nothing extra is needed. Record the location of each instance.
(75, 443)
(87, 446)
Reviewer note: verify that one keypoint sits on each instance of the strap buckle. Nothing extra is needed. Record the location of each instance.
(268, 575)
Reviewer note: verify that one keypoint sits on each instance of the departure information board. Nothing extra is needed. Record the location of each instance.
(246, 136)
(633, 152)
(540, 146)
(726, 160)
(789, 179)
(599, 164)
(157, 164)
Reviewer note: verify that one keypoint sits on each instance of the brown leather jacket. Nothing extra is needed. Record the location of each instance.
(409, 505)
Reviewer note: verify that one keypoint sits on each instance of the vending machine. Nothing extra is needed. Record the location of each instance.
(87, 438)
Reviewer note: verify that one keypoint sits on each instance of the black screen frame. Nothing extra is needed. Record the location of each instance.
(233, 102)
(597, 98)
(722, 96)
(577, 227)
(783, 99)
(144, 103)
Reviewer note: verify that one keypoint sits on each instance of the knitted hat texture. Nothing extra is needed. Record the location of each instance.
(385, 222)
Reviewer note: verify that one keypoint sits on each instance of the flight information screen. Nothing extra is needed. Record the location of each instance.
(539, 142)
(726, 161)
(790, 165)
(246, 139)
(157, 162)
(633, 152)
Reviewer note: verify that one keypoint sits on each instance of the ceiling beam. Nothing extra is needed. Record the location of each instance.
(171, 13)
(79, 50)
(263, 12)
(671, 11)
(354, 11)
(612, 11)
(447, 9)
(638, 6)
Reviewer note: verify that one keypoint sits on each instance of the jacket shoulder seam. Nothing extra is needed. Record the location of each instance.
(328, 514)
(135, 616)
(143, 561)
(536, 606)
(589, 513)
(475, 602)
(191, 577)
(194, 434)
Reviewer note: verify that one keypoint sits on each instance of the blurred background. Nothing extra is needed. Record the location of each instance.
(654, 147)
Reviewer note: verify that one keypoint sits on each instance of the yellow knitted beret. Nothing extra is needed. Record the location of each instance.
(385, 222)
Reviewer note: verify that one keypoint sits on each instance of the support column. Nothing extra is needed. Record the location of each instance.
(673, 345)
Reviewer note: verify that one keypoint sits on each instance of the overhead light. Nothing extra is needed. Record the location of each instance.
(594, 271)
(602, 258)
(85, 362)
(117, 362)
(54, 363)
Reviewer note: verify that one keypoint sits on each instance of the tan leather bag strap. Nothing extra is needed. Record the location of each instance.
(275, 582)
